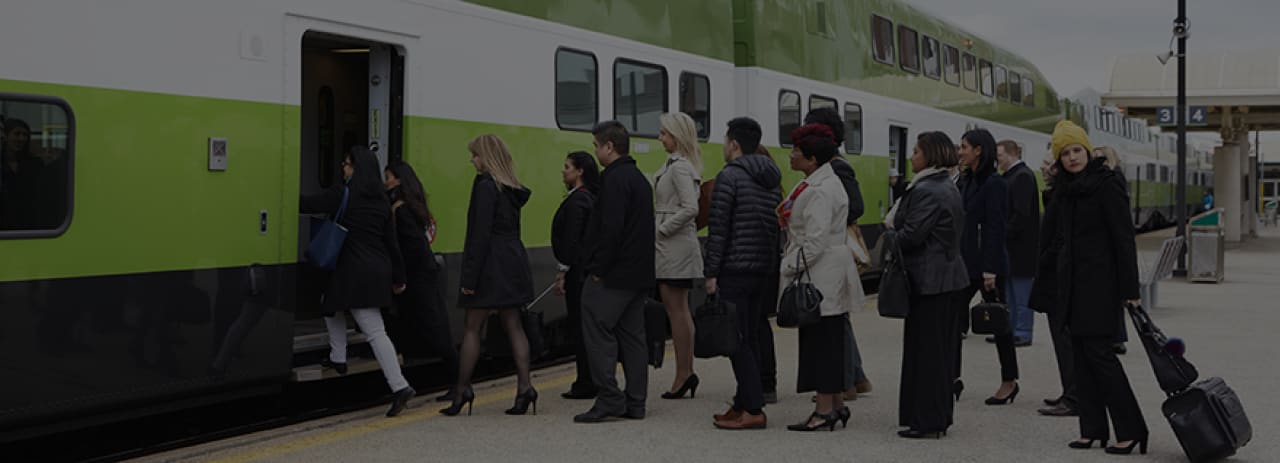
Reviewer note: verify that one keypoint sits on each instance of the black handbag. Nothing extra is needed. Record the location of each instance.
(801, 302)
(894, 298)
(991, 316)
(1173, 372)
(655, 331)
(716, 329)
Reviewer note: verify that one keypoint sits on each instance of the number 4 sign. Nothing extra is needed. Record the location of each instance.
(1196, 116)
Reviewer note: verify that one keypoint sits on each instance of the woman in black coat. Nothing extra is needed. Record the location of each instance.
(421, 306)
(928, 221)
(1097, 269)
(986, 206)
(568, 232)
(495, 268)
(369, 267)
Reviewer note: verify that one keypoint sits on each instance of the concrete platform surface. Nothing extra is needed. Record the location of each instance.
(1229, 329)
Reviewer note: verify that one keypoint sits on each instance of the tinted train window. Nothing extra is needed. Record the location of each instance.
(909, 49)
(852, 128)
(577, 90)
(951, 64)
(1164, 174)
(882, 39)
(1015, 88)
(1028, 92)
(37, 138)
(695, 100)
(930, 53)
(639, 96)
(970, 66)
(788, 115)
(816, 102)
(1002, 83)
(984, 67)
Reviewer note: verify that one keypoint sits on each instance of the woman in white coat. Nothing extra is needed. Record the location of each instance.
(814, 216)
(678, 255)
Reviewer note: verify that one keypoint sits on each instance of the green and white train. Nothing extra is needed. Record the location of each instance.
(177, 136)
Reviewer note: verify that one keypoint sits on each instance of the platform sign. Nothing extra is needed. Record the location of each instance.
(1196, 116)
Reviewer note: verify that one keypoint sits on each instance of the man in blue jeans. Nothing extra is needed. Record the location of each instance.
(1022, 241)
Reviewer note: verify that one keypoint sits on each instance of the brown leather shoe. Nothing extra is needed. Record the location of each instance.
(745, 421)
(862, 387)
(731, 415)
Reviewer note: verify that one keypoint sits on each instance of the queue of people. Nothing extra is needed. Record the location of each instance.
(967, 222)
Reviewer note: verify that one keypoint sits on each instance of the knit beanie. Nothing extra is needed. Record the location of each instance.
(1067, 133)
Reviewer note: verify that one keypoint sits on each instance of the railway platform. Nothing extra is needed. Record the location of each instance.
(1228, 327)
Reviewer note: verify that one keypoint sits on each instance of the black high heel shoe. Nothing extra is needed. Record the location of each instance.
(1077, 444)
(828, 421)
(993, 400)
(467, 398)
(523, 401)
(447, 396)
(843, 414)
(690, 385)
(957, 387)
(1141, 444)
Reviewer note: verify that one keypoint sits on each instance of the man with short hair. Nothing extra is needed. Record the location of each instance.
(620, 269)
(741, 258)
(1022, 237)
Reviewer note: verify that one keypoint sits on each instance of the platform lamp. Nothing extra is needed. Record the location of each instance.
(1180, 33)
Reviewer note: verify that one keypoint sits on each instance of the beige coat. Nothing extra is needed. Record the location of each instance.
(817, 225)
(677, 253)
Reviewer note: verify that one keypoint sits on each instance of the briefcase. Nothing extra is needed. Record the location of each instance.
(655, 331)
(991, 316)
(1208, 420)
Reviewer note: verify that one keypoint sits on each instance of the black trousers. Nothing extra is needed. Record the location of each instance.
(925, 402)
(1004, 343)
(573, 281)
(1104, 389)
(765, 349)
(746, 293)
(1066, 357)
(423, 322)
(613, 329)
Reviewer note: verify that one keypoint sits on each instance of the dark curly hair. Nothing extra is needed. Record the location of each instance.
(830, 118)
(816, 141)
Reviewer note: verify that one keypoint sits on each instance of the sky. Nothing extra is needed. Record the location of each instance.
(1073, 42)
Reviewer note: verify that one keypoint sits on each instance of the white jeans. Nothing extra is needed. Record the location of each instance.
(370, 321)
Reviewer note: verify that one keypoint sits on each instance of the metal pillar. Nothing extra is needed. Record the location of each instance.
(1180, 206)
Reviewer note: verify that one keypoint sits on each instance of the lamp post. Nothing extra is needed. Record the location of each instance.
(1180, 32)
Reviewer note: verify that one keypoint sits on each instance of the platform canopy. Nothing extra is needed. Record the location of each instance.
(1244, 84)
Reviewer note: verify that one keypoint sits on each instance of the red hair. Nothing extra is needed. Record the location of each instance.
(815, 141)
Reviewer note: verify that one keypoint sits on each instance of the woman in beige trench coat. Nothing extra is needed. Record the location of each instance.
(678, 255)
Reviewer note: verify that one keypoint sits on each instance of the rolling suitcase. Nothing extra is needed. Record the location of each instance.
(1207, 416)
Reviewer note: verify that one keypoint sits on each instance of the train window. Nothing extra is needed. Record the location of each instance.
(37, 154)
(853, 128)
(1015, 88)
(788, 115)
(1002, 83)
(695, 100)
(1151, 172)
(951, 65)
(577, 90)
(984, 69)
(932, 59)
(1164, 174)
(816, 101)
(909, 49)
(639, 96)
(1028, 92)
(882, 39)
(970, 66)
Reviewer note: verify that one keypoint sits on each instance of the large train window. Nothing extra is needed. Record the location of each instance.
(1015, 88)
(970, 66)
(577, 90)
(951, 65)
(930, 53)
(1002, 84)
(816, 101)
(1028, 92)
(639, 96)
(882, 39)
(37, 146)
(984, 68)
(1164, 174)
(788, 115)
(695, 100)
(853, 128)
(909, 49)
(1151, 172)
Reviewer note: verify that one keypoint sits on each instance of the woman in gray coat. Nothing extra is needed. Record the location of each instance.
(677, 253)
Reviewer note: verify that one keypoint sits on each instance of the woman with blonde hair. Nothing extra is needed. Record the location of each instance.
(495, 269)
(678, 255)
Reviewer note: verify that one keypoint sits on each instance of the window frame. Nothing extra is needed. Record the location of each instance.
(799, 117)
(964, 74)
(666, 93)
(680, 97)
(991, 90)
(937, 53)
(1002, 77)
(915, 43)
(594, 91)
(955, 61)
(835, 104)
(71, 166)
(1028, 92)
(1017, 76)
(849, 147)
(875, 40)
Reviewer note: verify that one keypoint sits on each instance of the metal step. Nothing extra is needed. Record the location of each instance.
(320, 341)
(355, 366)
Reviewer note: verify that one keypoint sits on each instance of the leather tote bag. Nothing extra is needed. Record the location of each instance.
(894, 299)
(801, 301)
(716, 329)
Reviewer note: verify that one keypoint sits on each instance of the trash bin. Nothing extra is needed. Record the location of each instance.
(1206, 246)
(1269, 212)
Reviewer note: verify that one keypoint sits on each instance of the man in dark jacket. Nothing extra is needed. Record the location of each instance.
(620, 265)
(1022, 236)
(741, 257)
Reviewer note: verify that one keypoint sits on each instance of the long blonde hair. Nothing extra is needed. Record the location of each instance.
(682, 128)
(496, 159)
(1112, 158)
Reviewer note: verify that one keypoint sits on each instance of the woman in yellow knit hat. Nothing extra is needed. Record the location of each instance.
(1097, 274)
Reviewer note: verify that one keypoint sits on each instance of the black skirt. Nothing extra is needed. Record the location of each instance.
(822, 352)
